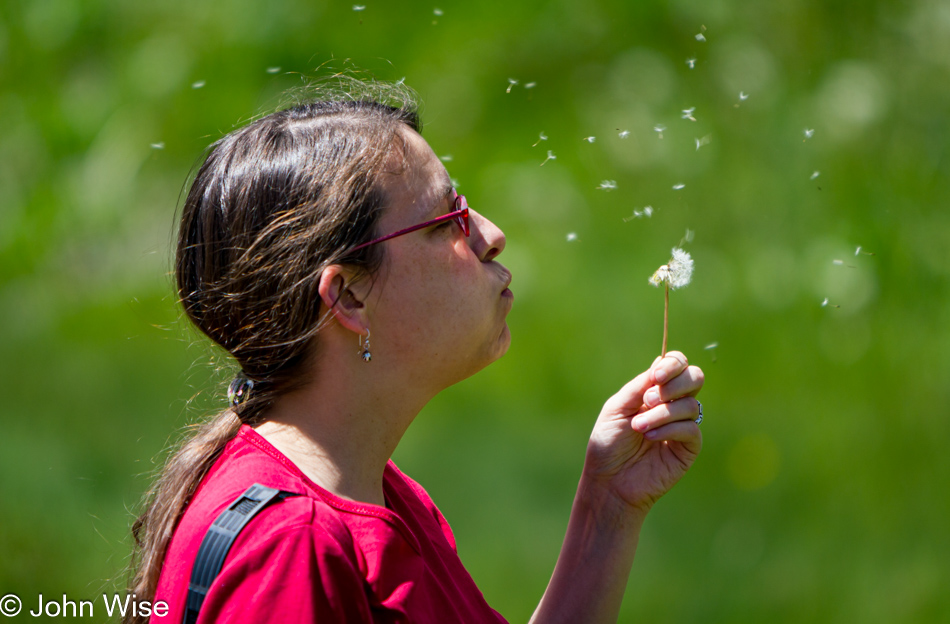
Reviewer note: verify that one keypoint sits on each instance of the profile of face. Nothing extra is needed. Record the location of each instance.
(441, 299)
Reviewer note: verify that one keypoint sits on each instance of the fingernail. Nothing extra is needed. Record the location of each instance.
(652, 397)
(660, 375)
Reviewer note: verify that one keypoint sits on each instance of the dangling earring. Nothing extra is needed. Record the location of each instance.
(364, 347)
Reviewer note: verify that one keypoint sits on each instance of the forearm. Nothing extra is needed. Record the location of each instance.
(592, 570)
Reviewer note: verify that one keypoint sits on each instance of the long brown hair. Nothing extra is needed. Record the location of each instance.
(273, 204)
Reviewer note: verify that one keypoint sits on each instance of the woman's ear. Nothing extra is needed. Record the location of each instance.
(344, 297)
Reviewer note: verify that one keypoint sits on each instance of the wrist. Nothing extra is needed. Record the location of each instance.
(602, 501)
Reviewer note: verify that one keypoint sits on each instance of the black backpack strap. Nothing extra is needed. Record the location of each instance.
(219, 538)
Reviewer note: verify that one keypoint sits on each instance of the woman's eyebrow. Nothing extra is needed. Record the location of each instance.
(444, 192)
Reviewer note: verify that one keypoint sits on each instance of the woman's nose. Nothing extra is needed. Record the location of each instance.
(487, 239)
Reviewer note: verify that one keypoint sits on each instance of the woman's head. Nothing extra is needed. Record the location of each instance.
(275, 203)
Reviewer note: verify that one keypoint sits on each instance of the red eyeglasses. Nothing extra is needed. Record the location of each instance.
(460, 215)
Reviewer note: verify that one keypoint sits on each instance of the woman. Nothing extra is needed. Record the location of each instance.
(324, 248)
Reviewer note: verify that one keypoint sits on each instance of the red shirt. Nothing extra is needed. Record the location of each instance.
(319, 557)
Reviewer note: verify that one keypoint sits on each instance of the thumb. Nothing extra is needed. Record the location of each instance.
(628, 400)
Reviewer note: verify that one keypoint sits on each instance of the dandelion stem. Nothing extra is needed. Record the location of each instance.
(666, 318)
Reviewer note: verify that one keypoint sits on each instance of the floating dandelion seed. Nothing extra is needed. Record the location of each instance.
(571, 237)
(198, 85)
(162, 146)
(623, 134)
(700, 37)
(659, 129)
(551, 156)
(679, 187)
(437, 12)
(273, 70)
(743, 96)
(455, 183)
(809, 132)
(691, 62)
(825, 304)
(401, 81)
(688, 236)
(711, 347)
(446, 158)
(637, 214)
(530, 85)
(702, 141)
(858, 250)
(815, 175)
(608, 185)
(589, 139)
(511, 82)
(837, 262)
(688, 113)
(541, 137)
(359, 7)
(675, 274)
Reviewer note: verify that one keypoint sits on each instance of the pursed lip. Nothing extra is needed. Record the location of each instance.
(506, 277)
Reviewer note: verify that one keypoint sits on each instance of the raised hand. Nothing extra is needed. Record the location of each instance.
(646, 436)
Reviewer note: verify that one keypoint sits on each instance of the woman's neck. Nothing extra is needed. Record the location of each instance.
(342, 428)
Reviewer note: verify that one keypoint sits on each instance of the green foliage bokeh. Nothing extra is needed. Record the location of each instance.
(821, 494)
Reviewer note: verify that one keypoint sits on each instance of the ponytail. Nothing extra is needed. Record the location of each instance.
(167, 499)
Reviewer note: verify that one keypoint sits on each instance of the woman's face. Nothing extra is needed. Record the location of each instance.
(440, 304)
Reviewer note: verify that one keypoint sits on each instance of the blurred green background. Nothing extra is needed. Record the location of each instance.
(822, 491)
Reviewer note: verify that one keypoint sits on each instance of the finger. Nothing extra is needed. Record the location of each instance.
(669, 367)
(687, 383)
(684, 409)
(685, 432)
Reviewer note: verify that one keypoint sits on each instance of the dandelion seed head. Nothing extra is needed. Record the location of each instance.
(677, 273)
